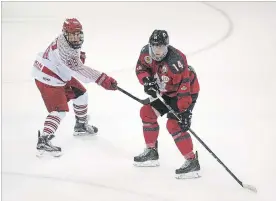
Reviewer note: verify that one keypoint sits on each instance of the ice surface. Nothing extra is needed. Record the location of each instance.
(234, 114)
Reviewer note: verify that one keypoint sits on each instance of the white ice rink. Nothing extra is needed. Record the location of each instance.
(232, 46)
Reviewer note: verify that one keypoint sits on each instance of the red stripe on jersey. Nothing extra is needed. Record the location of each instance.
(50, 73)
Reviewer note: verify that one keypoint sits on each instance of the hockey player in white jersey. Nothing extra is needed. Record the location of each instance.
(56, 72)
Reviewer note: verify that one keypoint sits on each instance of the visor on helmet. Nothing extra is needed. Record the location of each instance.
(158, 52)
(75, 39)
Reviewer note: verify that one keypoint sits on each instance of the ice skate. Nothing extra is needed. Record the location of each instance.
(84, 129)
(189, 170)
(45, 147)
(149, 158)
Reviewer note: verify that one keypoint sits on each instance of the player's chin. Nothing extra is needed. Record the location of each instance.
(158, 56)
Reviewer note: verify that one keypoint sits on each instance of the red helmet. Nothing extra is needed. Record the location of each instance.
(72, 26)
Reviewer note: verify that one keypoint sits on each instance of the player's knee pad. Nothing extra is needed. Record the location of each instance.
(147, 114)
(61, 115)
(81, 100)
(173, 126)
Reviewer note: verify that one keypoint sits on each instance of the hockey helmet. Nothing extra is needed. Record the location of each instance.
(72, 31)
(158, 43)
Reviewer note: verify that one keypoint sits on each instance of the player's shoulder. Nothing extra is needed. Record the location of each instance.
(144, 55)
(145, 49)
(62, 43)
(65, 49)
(175, 59)
(191, 69)
(175, 53)
(60, 39)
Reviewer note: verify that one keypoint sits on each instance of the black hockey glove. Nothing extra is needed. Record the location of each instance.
(186, 118)
(150, 86)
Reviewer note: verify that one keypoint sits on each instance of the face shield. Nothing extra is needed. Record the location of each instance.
(158, 52)
(75, 39)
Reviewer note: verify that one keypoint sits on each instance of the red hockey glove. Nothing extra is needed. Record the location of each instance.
(107, 82)
(82, 56)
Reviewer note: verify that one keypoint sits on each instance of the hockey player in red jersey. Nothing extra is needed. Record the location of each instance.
(163, 69)
(56, 72)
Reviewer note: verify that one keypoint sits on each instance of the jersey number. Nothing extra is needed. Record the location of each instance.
(52, 46)
(179, 65)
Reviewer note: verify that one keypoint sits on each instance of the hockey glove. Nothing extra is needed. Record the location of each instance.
(107, 82)
(185, 122)
(150, 86)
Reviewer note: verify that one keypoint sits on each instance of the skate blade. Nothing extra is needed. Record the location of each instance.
(190, 175)
(83, 134)
(42, 154)
(150, 163)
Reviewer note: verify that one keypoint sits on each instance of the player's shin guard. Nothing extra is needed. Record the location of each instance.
(82, 127)
(151, 132)
(184, 144)
(182, 140)
(149, 158)
(81, 112)
(80, 108)
(51, 124)
(80, 105)
(150, 125)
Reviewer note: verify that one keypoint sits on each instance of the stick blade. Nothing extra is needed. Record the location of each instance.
(250, 187)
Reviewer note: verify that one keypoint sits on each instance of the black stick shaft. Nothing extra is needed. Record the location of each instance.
(205, 146)
(130, 95)
(216, 157)
(144, 102)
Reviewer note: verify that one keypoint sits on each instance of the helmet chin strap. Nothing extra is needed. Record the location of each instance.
(152, 55)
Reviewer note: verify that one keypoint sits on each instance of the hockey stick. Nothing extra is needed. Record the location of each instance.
(149, 100)
(144, 102)
(250, 187)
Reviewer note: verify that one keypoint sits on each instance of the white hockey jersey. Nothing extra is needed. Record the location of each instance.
(59, 63)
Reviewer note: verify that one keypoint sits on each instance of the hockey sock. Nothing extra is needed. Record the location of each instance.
(184, 144)
(182, 140)
(81, 112)
(151, 131)
(52, 122)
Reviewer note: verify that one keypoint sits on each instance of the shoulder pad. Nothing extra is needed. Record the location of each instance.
(175, 61)
(191, 69)
(145, 49)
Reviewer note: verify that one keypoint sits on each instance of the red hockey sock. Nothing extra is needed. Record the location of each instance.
(184, 144)
(182, 140)
(151, 132)
(150, 125)
(52, 122)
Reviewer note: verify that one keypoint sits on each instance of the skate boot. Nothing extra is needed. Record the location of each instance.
(149, 158)
(45, 147)
(189, 170)
(83, 128)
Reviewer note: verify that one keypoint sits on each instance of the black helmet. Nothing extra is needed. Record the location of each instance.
(159, 37)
